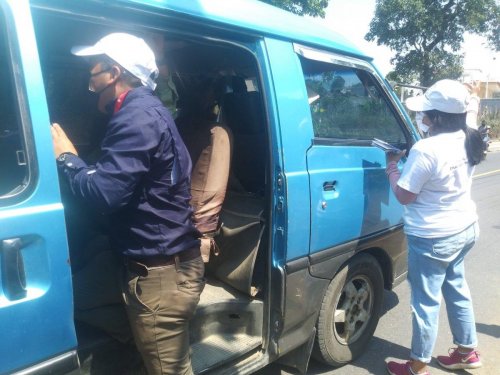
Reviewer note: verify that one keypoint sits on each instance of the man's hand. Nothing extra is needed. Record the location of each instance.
(394, 156)
(61, 141)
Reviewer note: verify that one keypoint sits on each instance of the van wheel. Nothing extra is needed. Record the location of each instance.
(350, 311)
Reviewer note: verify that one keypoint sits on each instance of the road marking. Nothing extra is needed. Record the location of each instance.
(486, 173)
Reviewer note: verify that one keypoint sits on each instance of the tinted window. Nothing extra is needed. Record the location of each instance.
(13, 161)
(346, 103)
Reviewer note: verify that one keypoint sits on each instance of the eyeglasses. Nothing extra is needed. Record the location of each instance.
(99, 72)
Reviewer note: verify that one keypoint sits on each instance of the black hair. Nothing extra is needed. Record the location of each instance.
(443, 122)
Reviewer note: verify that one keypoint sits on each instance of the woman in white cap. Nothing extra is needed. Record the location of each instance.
(440, 222)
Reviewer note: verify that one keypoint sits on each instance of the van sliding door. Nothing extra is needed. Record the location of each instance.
(36, 312)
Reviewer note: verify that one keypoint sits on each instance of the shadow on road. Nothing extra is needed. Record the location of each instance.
(371, 360)
(488, 329)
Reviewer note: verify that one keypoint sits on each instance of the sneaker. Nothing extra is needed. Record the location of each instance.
(395, 368)
(458, 361)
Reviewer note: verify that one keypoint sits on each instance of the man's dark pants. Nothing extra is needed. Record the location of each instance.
(159, 302)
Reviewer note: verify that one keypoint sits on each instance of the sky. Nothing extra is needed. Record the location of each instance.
(352, 19)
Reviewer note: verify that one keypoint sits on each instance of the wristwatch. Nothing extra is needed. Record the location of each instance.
(61, 159)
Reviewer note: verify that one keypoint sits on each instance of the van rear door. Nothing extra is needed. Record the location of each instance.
(36, 311)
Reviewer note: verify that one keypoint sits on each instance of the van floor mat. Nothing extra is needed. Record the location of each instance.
(221, 349)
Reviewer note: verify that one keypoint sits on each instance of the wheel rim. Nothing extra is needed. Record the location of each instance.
(353, 309)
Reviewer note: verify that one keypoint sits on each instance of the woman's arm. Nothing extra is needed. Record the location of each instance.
(403, 196)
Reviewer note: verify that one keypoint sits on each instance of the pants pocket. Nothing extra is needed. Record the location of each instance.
(447, 246)
(190, 275)
(141, 297)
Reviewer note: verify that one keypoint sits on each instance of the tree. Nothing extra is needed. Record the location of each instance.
(427, 34)
(315, 8)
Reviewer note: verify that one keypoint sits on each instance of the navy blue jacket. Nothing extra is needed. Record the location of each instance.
(142, 179)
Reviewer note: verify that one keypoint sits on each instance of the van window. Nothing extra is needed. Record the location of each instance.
(347, 104)
(13, 160)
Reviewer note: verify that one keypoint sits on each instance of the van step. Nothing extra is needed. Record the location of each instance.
(219, 349)
(227, 325)
(223, 310)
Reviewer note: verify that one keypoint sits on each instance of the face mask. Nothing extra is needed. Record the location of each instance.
(92, 87)
(93, 90)
(418, 118)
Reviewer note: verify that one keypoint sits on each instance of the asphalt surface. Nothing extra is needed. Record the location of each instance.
(393, 335)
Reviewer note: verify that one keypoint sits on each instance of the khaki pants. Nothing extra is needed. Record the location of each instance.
(159, 307)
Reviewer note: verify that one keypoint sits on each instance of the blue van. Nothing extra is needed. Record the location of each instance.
(309, 232)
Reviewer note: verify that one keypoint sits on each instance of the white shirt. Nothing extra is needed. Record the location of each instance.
(437, 171)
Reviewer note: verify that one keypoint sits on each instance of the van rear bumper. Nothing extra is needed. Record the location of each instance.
(62, 364)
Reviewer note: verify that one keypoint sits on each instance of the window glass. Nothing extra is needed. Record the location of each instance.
(347, 104)
(13, 161)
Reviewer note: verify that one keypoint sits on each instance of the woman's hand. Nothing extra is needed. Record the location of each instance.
(394, 156)
(61, 141)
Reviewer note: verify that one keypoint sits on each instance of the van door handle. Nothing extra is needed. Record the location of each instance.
(329, 185)
(13, 274)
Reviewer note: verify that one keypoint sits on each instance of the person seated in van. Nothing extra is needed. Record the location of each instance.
(142, 181)
(165, 85)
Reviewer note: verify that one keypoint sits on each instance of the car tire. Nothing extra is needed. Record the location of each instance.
(349, 312)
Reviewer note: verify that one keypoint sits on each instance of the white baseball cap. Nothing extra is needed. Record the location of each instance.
(131, 52)
(446, 96)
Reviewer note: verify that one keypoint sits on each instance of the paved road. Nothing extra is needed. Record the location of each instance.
(392, 337)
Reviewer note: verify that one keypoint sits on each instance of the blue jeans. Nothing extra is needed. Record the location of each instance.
(435, 268)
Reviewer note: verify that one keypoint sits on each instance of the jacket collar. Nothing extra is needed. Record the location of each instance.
(132, 94)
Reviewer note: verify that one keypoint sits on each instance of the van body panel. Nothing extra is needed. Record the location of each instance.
(37, 320)
(304, 294)
(279, 199)
(66, 363)
(360, 202)
(296, 136)
(389, 247)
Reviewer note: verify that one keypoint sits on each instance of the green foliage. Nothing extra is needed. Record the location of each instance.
(427, 34)
(315, 8)
(492, 118)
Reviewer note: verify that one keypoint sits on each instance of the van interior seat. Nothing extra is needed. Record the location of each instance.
(210, 147)
(242, 215)
(243, 113)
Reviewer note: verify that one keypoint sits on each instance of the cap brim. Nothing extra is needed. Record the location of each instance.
(418, 103)
(86, 51)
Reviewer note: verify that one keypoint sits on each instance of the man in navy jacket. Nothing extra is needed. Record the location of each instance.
(142, 181)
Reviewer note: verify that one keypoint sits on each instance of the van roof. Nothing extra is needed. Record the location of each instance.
(248, 15)
(261, 17)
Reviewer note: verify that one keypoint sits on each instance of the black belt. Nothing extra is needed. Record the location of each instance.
(141, 265)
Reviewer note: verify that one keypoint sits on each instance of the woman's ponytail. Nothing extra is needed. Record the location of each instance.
(443, 122)
(474, 145)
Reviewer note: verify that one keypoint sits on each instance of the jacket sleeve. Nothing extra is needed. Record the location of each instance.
(130, 142)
